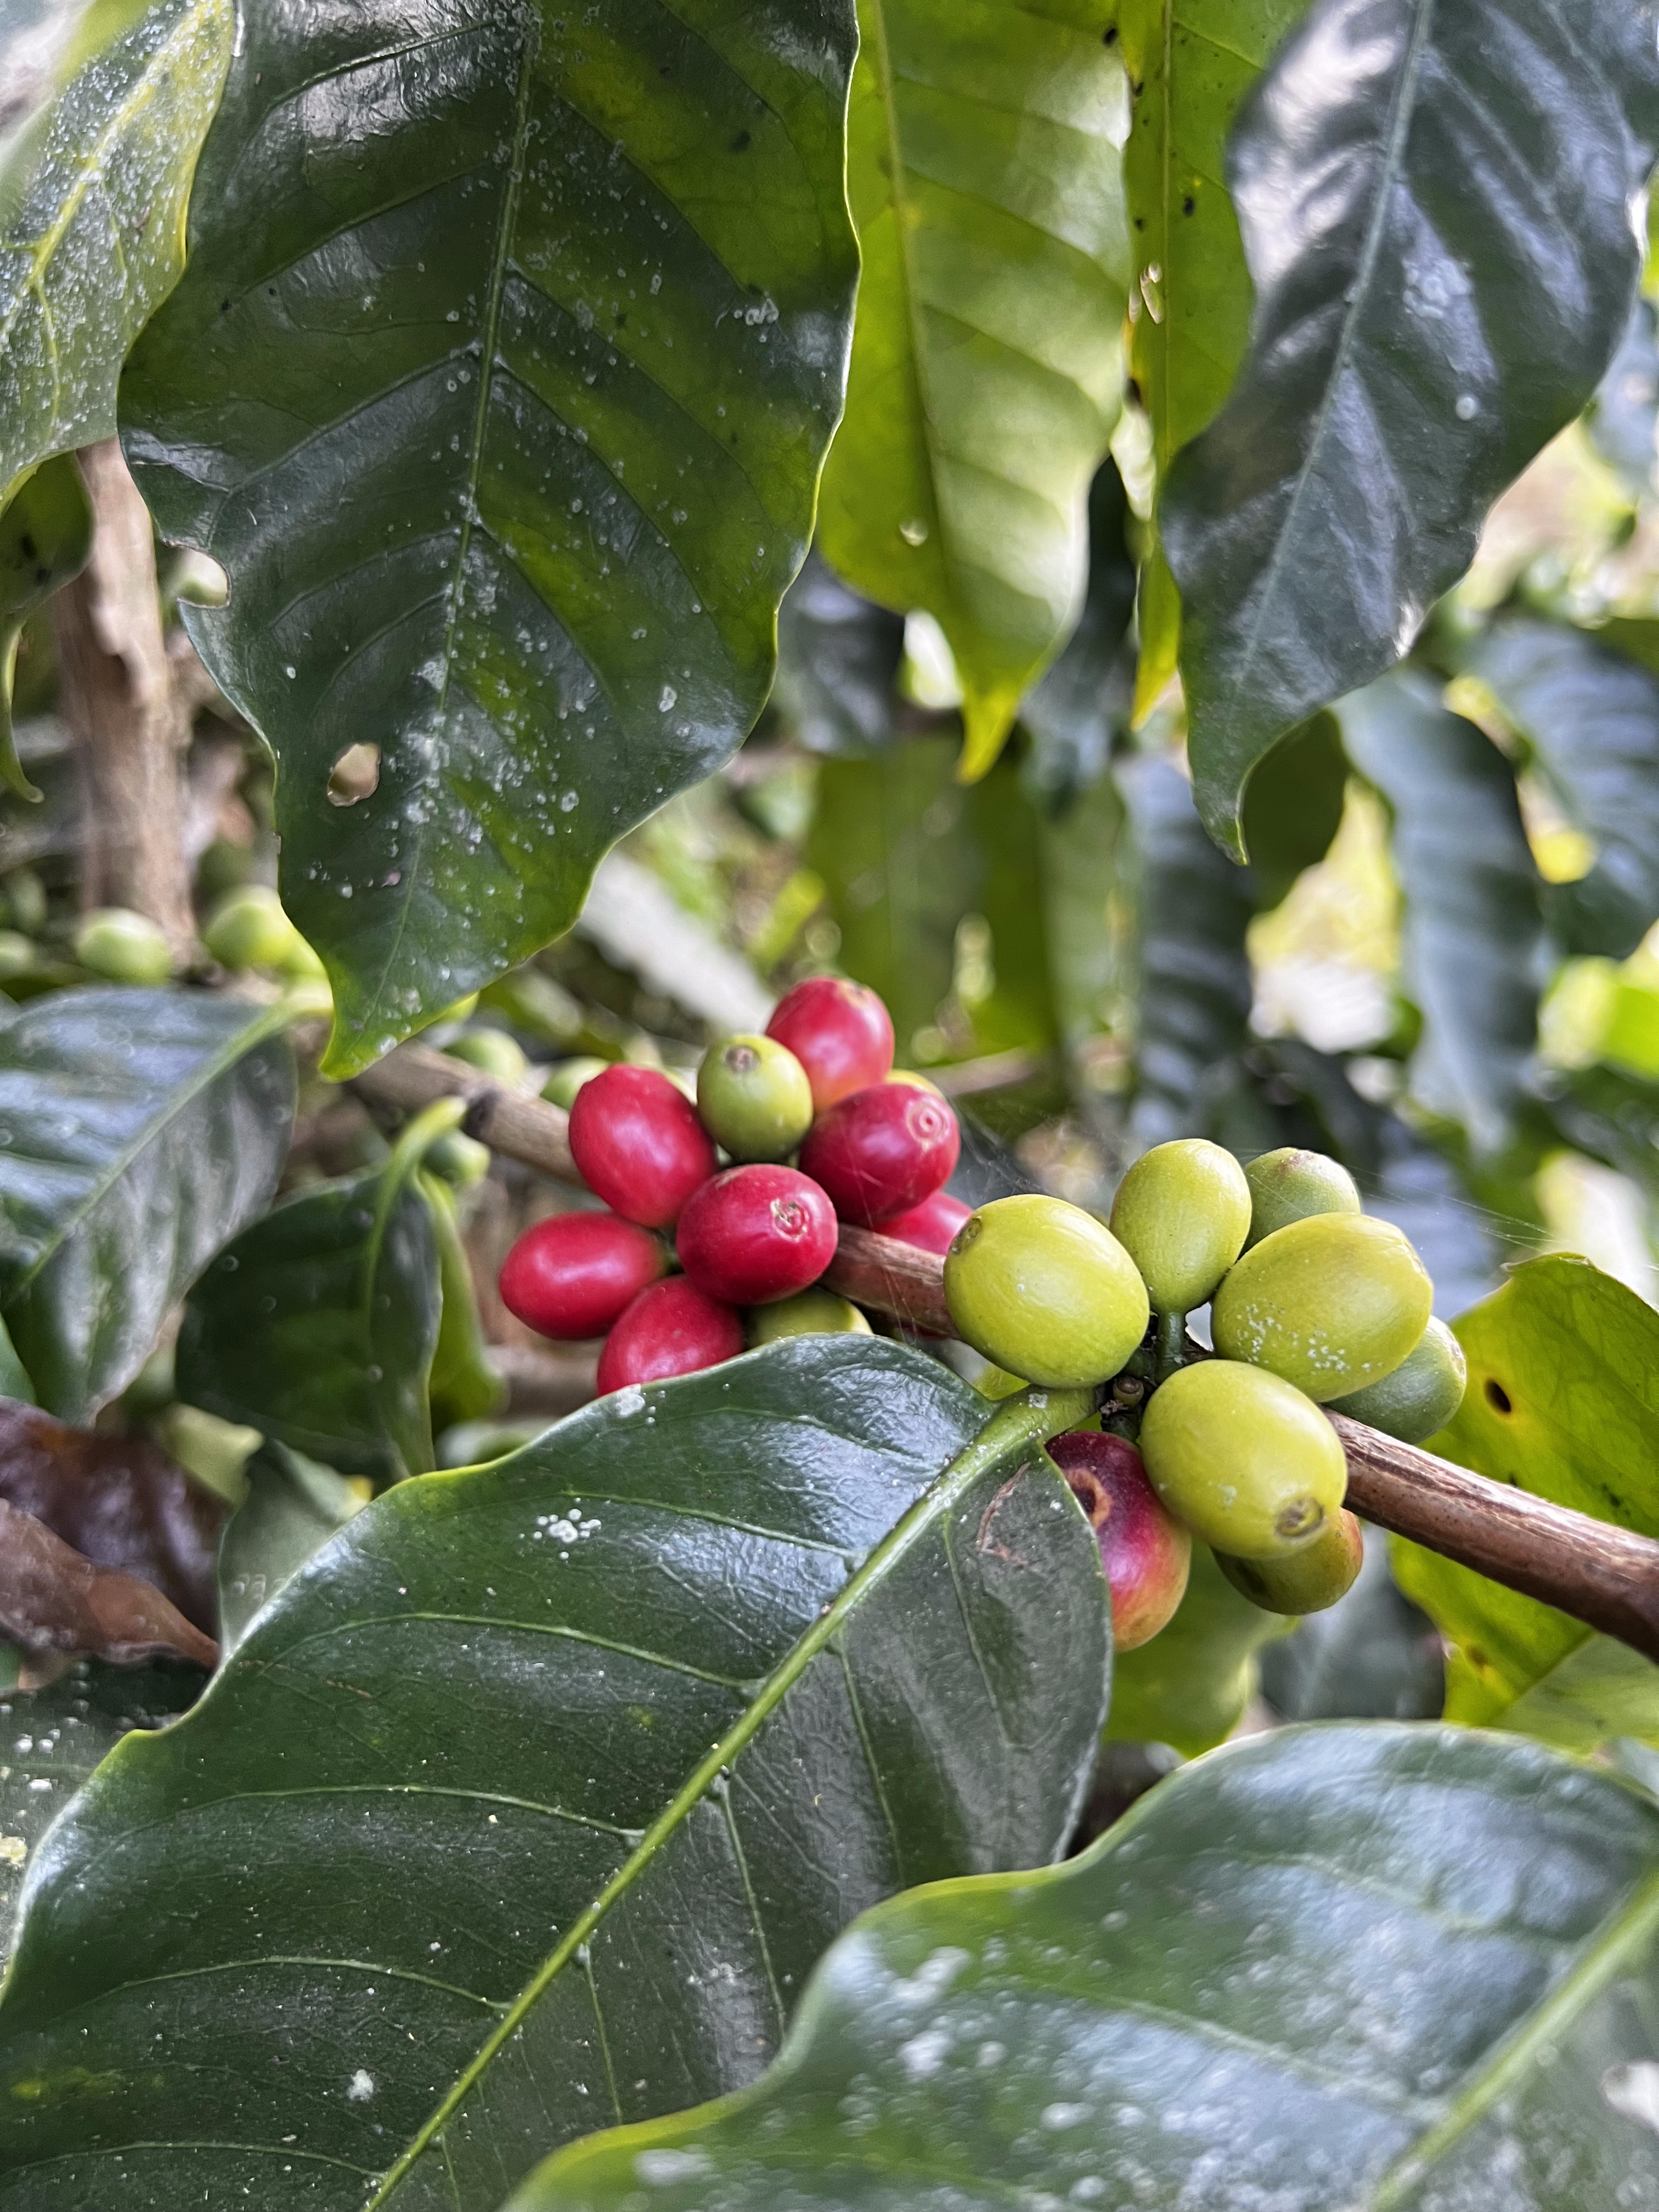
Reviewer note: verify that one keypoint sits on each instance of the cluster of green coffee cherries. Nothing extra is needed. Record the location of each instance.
(1313, 1303)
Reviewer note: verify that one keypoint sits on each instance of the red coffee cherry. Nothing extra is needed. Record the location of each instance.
(670, 1330)
(755, 1234)
(573, 1275)
(929, 1226)
(1145, 1551)
(639, 1144)
(882, 1151)
(839, 1032)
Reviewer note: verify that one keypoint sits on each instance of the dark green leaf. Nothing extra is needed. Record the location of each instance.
(1591, 717)
(319, 1324)
(138, 1129)
(558, 1776)
(464, 1386)
(293, 1507)
(1377, 1968)
(1190, 1687)
(1472, 946)
(1293, 806)
(1076, 709)
(985, 179)
(1194, 982)
(1621, 417)
(1191, 63)
(1435, 204)
(838, 662)
(93, 193)
(51, 1739)
(45, 535)
(1563, 1401)
(504, 417)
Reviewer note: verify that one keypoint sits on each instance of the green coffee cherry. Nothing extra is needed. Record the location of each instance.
(17, 955)
(1042, 1289)
(754, 1097)
(1307, 1581)
(1181, 1214)
(457, 1160)
(568, 1079)
(1247, 1462)
(249, 929)
(123, 947)
(817, 1312)
(1420, 1395)
(494, 1053)
(1331, 1303)
(1292, 1185)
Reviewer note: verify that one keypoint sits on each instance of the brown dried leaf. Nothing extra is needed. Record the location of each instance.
(51, 1599)
(118, 1501)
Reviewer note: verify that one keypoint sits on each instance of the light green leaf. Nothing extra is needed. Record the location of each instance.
(1563, 1401)
(1385, 1969)
(504, 414)
(45, 535)
(532, 1800)
(1472, 941)
(1190, 66)
(1435, 204)
(984, 172)
(93, 196)
(138, 1129)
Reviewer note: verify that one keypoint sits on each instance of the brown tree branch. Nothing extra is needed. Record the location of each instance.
(117, 697)
(1604, 1577)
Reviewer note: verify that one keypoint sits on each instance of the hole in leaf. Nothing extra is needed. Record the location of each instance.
(198, 580)
(353, 776)
(1498, 1397)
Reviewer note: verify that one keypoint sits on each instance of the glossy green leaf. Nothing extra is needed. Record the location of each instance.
(1388, 1969)
(317, 1326)
(138, 1129)
(558, 1775)
(1435, 204)
(984, 173)
(1591, 717)
(504, 417)
(838, 664)
(93, 195)
(1472, 937)
(1563, 1401)
(1293, 806)
(293, 1506)
(1190, 1685)
(50, 1740)
(1193, 997)
(45, 535)
(1190, 66)
(907, 857)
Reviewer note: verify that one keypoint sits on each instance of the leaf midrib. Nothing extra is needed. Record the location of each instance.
(1030, 1420)
(275, 1019)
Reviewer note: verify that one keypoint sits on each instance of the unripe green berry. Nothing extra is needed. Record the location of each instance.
(123, 947)
(754, 1097)
(459, 1161)
(1309, 1580)
(1420, 1395)
(568, 1079)
(1247, 1463)
(249, 929)
(1331, 1303)
(493, 1053)
(17, 955)
(1181, 1214)
(1293, 1185)
(1044, 1290)
(816, 1312)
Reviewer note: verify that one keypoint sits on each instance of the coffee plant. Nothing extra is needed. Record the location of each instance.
(828, 1106)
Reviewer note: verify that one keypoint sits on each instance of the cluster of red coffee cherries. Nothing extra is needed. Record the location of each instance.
(870, 1146)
